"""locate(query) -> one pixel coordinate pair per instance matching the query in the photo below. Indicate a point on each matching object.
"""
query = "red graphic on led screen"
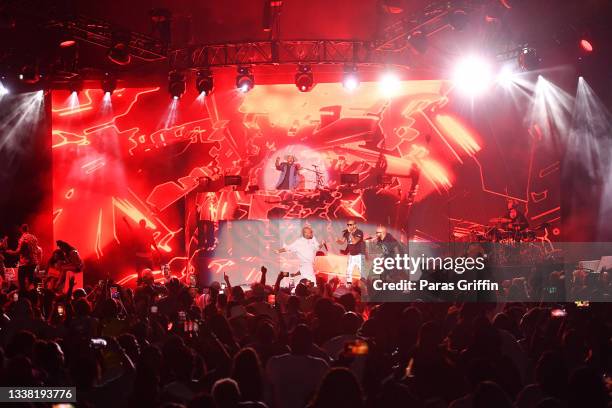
(140, 157)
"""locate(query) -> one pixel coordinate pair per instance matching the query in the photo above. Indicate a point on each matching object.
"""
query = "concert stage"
(423, 161)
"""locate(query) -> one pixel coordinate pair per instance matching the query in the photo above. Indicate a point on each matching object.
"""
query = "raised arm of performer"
(277, 163)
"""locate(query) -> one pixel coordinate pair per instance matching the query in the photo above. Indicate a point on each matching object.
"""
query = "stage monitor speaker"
(233, 180)
(349, 179)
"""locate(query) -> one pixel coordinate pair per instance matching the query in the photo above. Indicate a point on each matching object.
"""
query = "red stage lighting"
(245, 81)
(473, 75)
(586, 45)
(119, 53)
(109, 84)
(303, 78)
(67, 43)
(350, 79)
(176, 84)
(204, 82)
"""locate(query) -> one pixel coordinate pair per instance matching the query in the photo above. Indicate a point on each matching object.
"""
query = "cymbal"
(500, 219)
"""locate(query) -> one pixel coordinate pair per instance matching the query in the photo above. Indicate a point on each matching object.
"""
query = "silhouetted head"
(226, 393)
(301, 340)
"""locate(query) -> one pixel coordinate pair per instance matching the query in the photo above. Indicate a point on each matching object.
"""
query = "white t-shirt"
(305, 249)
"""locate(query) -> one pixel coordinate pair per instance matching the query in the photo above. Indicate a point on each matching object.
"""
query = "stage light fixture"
(119, 52)
(303, 78)
(75, 85)
(176, 84)
(109, 84)
(67, 43)
(418, 41)
(393, 6)
(472, 75)
(29, 74)
(505, 78)
(245, 81)
(350, 79)
(586, 45)
(528, 59)
(204, 82)
(389, 84)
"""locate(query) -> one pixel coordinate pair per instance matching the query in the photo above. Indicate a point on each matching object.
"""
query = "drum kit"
(512, 243)
(502, 230)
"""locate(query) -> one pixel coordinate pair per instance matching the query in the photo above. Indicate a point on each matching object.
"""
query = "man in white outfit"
(305, 248)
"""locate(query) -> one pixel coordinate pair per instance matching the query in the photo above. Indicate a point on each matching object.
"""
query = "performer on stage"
(142, 242)
(355, 249)
(518, 221)
(388, 245)
(305, 248)
(207, 205)
(289, 178)
(30, 255)
(67, 263)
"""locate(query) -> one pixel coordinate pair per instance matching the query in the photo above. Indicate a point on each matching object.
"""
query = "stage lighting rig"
(350, 79)
(245, 81)
(75, 85)
(29, 74)
(528, 59)
(204, 82)
(176, 84)
(109, 84)
(119, 52)
(303, 78)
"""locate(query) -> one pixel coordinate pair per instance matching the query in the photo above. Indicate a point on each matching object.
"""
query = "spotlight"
(303, 78)
(176, 84)
(109, 84)
(67, 43)
(245, 81)
(472, 75)
(75, 85)
(3, 90)
(66, 40)
(29, 74)
(586, 45)
(418, 41)
(528, 59)
(458, 19)
(393, 6)
(505, 77)
(119, 53)
(204, 82)
(350, 80)
(389, 84)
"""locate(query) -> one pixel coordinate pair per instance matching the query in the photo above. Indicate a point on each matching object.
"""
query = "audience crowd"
(164, 344)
